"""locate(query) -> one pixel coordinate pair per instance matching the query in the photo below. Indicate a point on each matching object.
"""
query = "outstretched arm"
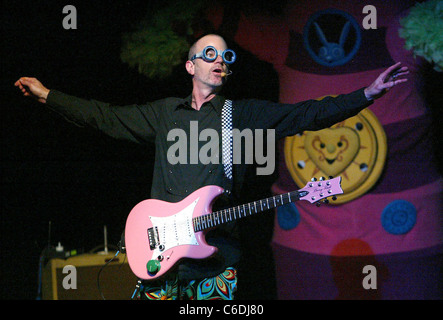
(136, 123)
(386, 80)
(290, 119)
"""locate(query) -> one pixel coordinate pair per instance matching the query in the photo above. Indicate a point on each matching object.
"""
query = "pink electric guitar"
(158, 234)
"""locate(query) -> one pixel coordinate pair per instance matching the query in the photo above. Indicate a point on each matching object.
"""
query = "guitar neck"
(220, 217)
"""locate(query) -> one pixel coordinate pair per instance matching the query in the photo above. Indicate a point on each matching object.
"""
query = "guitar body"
(161, 233)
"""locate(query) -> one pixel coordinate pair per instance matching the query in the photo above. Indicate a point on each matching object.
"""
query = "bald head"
(209, 40)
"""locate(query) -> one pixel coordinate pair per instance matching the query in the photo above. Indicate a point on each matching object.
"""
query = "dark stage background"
(76, 178)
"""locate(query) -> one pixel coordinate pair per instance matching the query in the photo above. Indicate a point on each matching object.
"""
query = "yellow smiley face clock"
(354, 149)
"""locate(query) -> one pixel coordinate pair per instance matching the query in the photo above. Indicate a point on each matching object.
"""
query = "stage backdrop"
(390, 216)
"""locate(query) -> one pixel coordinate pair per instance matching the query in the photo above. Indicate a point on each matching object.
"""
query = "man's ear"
(190, 67)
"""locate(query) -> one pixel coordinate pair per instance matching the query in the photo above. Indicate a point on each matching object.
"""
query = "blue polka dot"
(399, 217)
(288, 216)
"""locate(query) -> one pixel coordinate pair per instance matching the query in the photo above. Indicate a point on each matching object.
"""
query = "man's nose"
(219, 59)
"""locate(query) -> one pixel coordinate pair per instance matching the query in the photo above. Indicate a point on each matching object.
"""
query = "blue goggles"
(209, 54)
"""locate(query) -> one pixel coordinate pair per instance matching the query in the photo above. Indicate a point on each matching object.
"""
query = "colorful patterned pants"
(221, 287)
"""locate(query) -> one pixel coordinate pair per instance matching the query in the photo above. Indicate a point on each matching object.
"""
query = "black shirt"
(153, 121)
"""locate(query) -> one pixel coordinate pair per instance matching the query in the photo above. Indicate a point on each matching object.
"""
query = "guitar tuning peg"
(322, 178)
(326, 201)
(318, 204)
(314, 179)
(330, 177)
(334, 198)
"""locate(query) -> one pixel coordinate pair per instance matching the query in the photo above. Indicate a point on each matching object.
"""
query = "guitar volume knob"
(153, 266)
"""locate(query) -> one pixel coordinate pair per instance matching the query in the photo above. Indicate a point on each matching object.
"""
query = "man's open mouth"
(217, 71)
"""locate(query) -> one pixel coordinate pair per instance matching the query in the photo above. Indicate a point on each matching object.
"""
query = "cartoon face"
(354, 149)
(331, 52)
(332, 150)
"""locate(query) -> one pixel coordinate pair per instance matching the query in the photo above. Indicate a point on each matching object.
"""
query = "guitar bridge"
(153, 238)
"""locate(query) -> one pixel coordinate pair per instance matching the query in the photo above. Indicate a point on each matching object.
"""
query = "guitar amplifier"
(76, 278)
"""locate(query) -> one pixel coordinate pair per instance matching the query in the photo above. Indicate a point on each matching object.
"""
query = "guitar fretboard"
(217, 218)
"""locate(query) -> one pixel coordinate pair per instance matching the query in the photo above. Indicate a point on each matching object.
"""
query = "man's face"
(209, 73)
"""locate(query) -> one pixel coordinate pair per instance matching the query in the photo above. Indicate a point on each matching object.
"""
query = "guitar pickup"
(153, 238)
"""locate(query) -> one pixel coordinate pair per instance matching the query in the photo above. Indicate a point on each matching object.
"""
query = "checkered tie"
(226, 121)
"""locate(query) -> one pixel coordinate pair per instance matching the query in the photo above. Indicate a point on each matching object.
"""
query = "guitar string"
(230, 214)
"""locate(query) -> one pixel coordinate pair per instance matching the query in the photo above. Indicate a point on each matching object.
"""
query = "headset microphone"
(224, 74)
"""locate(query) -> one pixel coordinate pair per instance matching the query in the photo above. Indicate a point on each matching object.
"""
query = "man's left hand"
(386, 80)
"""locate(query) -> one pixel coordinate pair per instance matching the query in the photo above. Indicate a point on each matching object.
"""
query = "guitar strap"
(226, 123)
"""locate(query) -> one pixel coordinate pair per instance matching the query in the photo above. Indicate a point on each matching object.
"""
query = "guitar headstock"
(321, 189)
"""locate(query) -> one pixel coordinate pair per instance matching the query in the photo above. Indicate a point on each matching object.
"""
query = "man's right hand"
(33, 88)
